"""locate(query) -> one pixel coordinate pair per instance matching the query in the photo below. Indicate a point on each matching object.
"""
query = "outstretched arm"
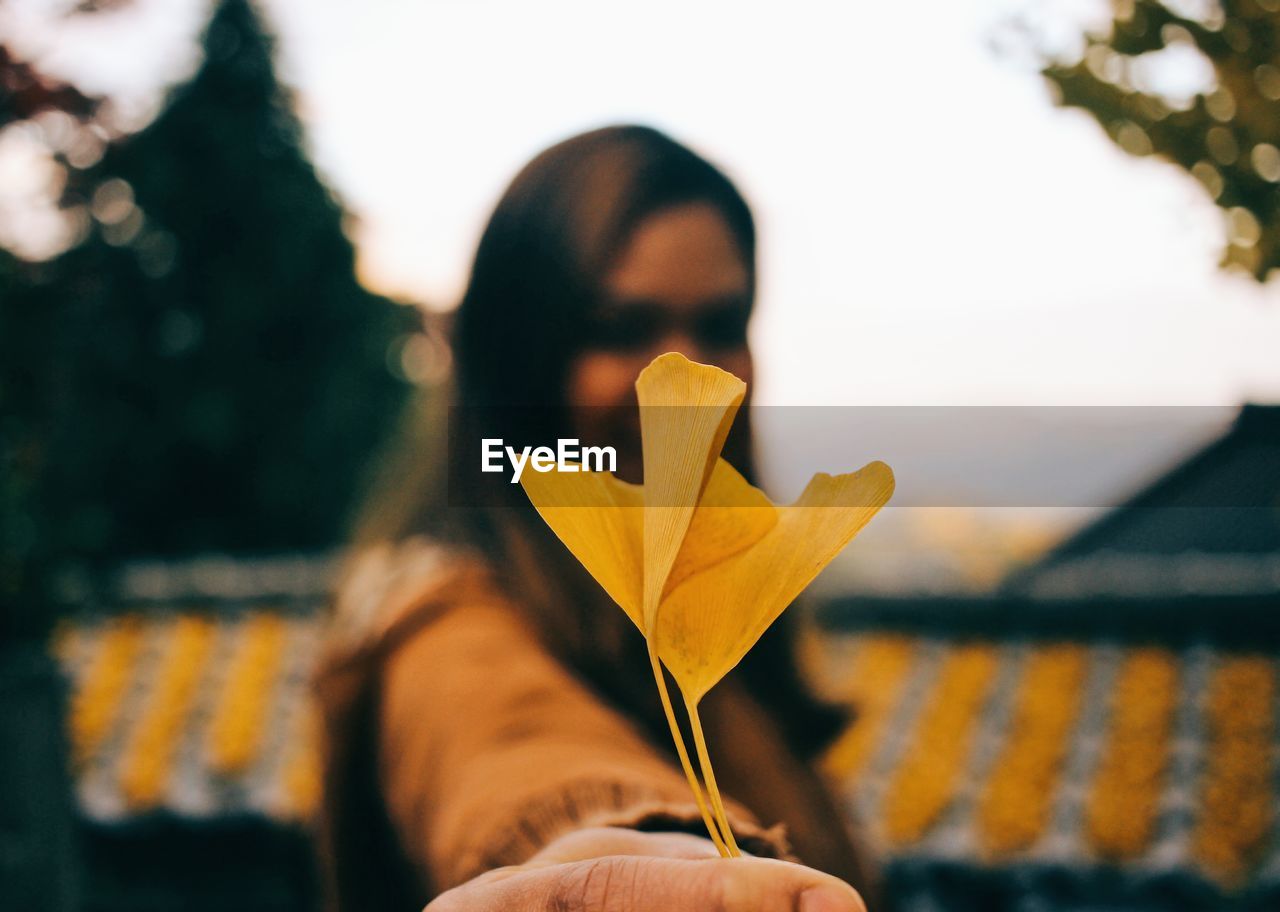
(490, 749)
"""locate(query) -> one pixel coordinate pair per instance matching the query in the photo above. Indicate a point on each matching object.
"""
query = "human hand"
(609, 869)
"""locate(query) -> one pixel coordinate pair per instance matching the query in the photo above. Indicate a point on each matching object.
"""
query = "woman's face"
(679, 284)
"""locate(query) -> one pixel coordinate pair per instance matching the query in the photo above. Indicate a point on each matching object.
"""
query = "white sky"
(933, 230)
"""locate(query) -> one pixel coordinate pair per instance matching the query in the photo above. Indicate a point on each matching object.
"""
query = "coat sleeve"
(488, 748)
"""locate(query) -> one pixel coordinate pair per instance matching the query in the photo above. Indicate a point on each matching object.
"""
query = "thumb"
(629, 883)
(741, 885)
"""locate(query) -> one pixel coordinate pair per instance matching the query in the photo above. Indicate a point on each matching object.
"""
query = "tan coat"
(455, 742)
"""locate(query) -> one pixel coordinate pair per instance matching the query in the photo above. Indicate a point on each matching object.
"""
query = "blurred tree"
(25, 94)
(1227, 136)
(208, 372)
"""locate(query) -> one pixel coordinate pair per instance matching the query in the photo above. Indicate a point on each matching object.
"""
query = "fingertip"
(830, 899)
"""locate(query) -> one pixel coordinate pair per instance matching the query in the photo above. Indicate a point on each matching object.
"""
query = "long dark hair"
(537, 274)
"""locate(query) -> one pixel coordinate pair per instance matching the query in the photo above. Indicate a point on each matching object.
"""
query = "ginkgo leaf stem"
(704, 761)
(712, 827)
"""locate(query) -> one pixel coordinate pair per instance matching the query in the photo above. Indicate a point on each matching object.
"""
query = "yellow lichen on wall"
(931, 771)
(873, 684)
(1120, 812)
(148, 757)
(301, 774)
(96, 703)
(1239, 764)
(238, 726)
(1015, 805)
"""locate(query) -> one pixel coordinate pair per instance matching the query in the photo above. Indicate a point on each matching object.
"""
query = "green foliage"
(1228, 137)
(19, 445)
(202, 371)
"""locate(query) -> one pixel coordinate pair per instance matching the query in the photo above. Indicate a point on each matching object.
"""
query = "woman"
(486, 706)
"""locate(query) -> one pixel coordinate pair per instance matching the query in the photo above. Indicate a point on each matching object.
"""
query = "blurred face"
(679, 284)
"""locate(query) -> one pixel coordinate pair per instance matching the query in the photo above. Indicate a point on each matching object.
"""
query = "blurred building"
(190, 732)
(1101, 732)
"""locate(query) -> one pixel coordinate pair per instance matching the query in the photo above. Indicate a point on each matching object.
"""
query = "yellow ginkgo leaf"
(731, 517)
(701, 561)
(708, 621)
(686, 410)
(600, 520)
